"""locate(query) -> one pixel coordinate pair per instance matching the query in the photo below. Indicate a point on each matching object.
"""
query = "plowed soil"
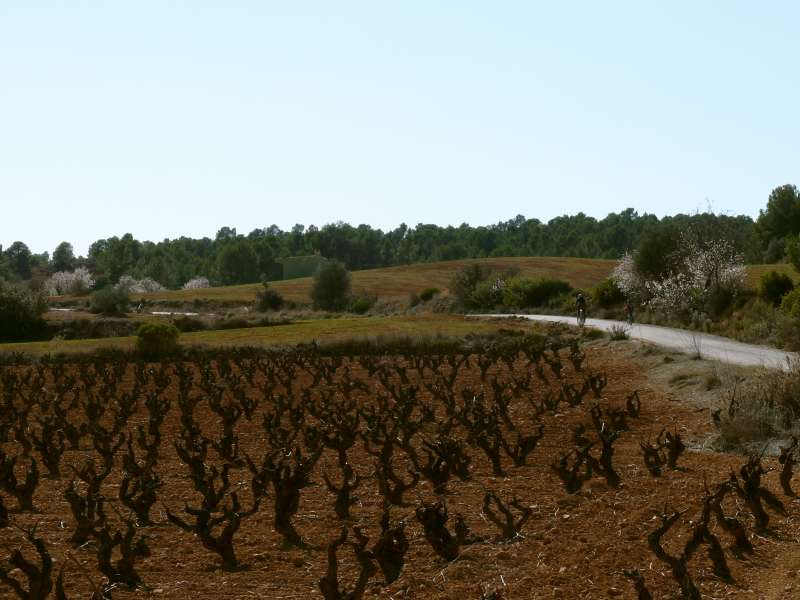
(573, 546)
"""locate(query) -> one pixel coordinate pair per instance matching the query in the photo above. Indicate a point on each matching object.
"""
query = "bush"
(465, 281)
(429, 293)
(762, 408)
(268, 299)
(21, 314)
(485, 296)
(361, 303)
(110, 301)
(331, 287)
(186, 324)
(88, 329)
(425, 295)
(719, 300)
(791, 303)
(156, 339)
(608, 294)
(774, 286)
(793, 250)
(522, 293)
(617, 333)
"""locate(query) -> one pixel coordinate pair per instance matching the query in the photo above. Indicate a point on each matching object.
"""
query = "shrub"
(719, 300)
(760, 409)
(197, 283)
(76, 282)
(331, 287)
(618, 333)
(187, 324)
(230, 322)
(465, 281)
(362, 302)
(429, 293)
(425, 295)
(774, 286)
(20, 314)
(521, 292)
(139, 286)
(154, 340)
(110, 301)
(485, 296)
(793, 250)
(87, 329)
(791, 303)
(268, 299)
(608, 294)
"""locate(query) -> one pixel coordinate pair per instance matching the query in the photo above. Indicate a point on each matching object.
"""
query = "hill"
(396, 283)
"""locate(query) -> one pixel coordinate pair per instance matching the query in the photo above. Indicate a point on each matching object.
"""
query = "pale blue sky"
(168, 118)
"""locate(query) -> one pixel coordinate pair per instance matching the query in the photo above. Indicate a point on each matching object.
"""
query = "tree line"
(232, 258)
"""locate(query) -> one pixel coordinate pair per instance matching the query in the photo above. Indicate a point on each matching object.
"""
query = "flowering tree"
(76, 282)
(627, 277)
(700, 269)
(139, 286)
(197, 283)
(713, 265)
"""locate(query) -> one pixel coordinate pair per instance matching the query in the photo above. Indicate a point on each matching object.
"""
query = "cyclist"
(580, 305)
(629, 311)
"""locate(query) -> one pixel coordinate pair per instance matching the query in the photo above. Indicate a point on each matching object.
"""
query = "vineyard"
(516, 466)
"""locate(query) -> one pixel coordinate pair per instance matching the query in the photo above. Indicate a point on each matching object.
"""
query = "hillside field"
(397, 283)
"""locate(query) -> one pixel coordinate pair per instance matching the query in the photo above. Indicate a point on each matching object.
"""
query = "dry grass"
(396, 283)
(321, 330)
(754, 273)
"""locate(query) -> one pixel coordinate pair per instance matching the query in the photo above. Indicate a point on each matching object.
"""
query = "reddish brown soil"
(574, 546)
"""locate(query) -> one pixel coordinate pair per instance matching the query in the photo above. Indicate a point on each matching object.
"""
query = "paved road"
(690, 342)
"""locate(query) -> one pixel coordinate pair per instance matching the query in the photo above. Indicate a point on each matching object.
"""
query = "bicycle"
(629, 314)
(581, 317)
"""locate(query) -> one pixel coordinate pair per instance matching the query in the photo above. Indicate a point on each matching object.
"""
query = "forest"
(234, 258)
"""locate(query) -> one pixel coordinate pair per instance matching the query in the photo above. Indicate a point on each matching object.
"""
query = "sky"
(166, 118)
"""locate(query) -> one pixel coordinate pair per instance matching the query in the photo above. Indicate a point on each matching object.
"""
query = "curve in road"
(689, 342)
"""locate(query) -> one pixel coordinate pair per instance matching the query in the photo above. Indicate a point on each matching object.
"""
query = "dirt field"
(572, 546)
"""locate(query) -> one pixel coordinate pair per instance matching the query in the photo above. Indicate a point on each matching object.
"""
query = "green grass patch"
(321, 330)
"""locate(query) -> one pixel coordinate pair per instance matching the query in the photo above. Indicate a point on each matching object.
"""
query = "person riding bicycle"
(629, 310)
(580, 305)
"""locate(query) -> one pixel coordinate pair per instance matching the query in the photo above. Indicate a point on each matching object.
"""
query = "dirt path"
(689, 342)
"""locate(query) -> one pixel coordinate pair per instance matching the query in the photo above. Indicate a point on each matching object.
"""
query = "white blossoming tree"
(627, 277)
(139, 286)
(701, 268)
(197, 283)
(75, 282)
